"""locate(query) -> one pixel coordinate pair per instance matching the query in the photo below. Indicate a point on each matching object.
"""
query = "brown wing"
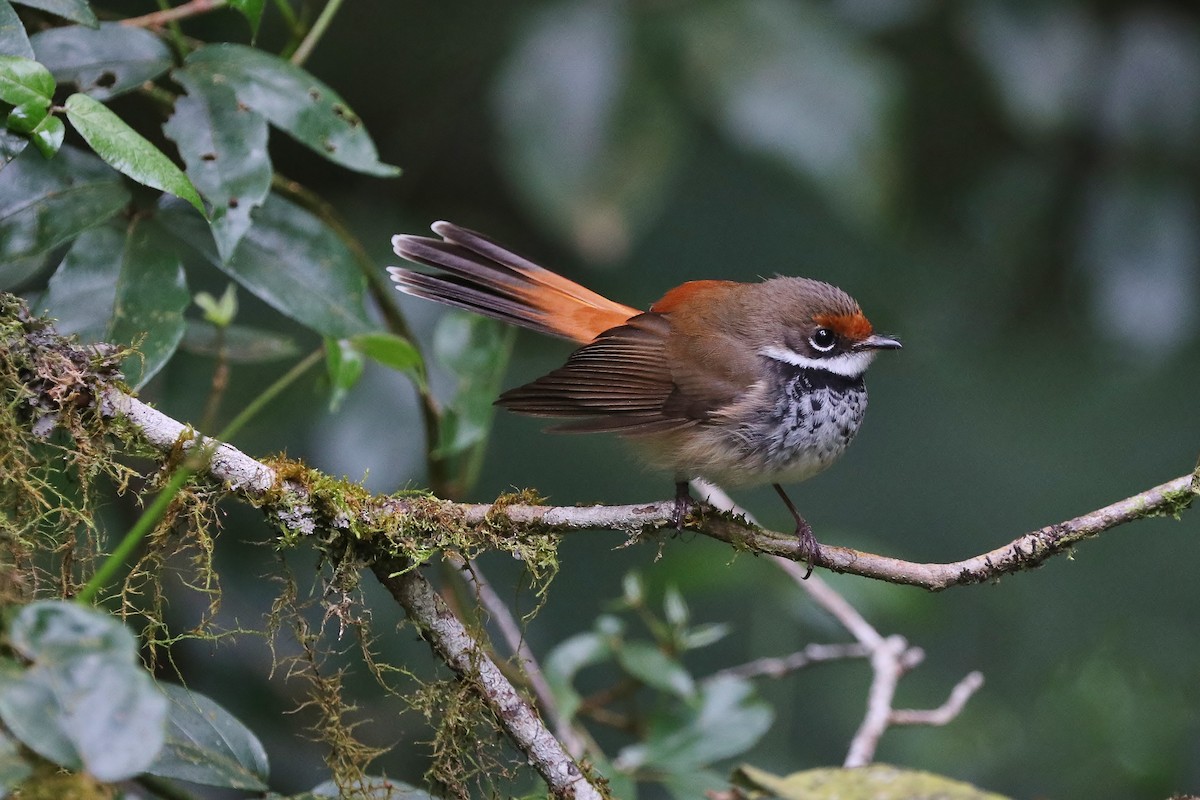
(617, 383)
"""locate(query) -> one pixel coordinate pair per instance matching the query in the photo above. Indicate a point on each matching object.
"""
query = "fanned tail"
(485, 277)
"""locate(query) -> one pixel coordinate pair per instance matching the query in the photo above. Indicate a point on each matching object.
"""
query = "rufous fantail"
(738, 383)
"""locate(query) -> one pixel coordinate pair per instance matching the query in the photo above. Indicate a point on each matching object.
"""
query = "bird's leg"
(684, 502)
(808, 543)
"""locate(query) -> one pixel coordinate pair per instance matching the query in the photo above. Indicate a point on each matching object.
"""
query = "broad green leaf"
(127, 151)
(103, 62)
(206, 744)
(85, 702)
(475, 350)
(151, 296)
(26, 117)
(877, 781)
(391, 351)
(48, 136)
(24, 81)
(705, 635)
(13, 39)
(14, 768)
(653, 667)
(252, 10)
(123, 287)
(290, 260)
(44, 204)
(74, 10)
(224, 148)
(96, 712)
(725, 719)
(675, 607)
(294, 101)
(53, 630)
(344, 366)
(241, 345)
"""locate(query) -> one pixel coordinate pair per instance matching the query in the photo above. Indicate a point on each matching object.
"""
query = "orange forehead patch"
(850, 326)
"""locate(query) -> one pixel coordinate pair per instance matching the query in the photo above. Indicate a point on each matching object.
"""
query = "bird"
(739, 383)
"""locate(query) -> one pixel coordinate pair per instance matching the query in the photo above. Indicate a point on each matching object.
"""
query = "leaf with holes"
(103, 62)
(224, 149)
(319, 284)
(294, 101)
(127, 151)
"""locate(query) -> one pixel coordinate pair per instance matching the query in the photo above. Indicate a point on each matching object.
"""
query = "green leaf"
(252, 10)
(242, 344)
(221, 312)
(44, 204)
(24, 81)
(319, 285)
(123, 287)
(726, 719)
(565, 661)
(26, 117)
(85, 703)
(206, 744)
(344, 365)
(48, 136)
(705, 635)
(74, 10)
(13, 39)
(223, 145)
(294, 101)
(11, 145)
(53, 630)
(655, 668)
(475, 350)
(14, 768)
(675, 607)
(103, 62)
(127, 151)
(151, 296)
(391, 351)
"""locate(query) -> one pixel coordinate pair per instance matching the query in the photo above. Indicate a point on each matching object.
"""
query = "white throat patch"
(848, 365)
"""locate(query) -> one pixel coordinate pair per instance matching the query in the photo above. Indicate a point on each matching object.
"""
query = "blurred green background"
(1011, 188)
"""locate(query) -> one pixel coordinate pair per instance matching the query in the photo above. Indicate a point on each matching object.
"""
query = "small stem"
(220, 382)
(316, 32)
(171, 15)
(269, 394)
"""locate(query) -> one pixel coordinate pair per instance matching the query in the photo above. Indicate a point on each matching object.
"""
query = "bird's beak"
(877, 341)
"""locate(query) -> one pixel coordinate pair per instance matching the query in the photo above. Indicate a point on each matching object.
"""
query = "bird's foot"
(684, 504)
(808, 548)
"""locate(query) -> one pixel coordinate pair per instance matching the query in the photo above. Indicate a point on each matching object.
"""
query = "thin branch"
(160, 18)
(887, 667)
(514, 637)
(947, 711)
(779, 667)
(315, 32)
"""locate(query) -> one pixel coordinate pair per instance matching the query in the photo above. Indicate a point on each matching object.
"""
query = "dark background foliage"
(1010, 188)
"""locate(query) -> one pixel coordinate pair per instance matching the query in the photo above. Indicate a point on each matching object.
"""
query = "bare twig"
(947, 711)
(513, 636)
(160, 18)
(783, 665)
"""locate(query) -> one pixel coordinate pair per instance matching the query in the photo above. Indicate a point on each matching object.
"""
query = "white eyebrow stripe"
(848, 365)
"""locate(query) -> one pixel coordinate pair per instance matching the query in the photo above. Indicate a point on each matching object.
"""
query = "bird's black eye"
(823, 340)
